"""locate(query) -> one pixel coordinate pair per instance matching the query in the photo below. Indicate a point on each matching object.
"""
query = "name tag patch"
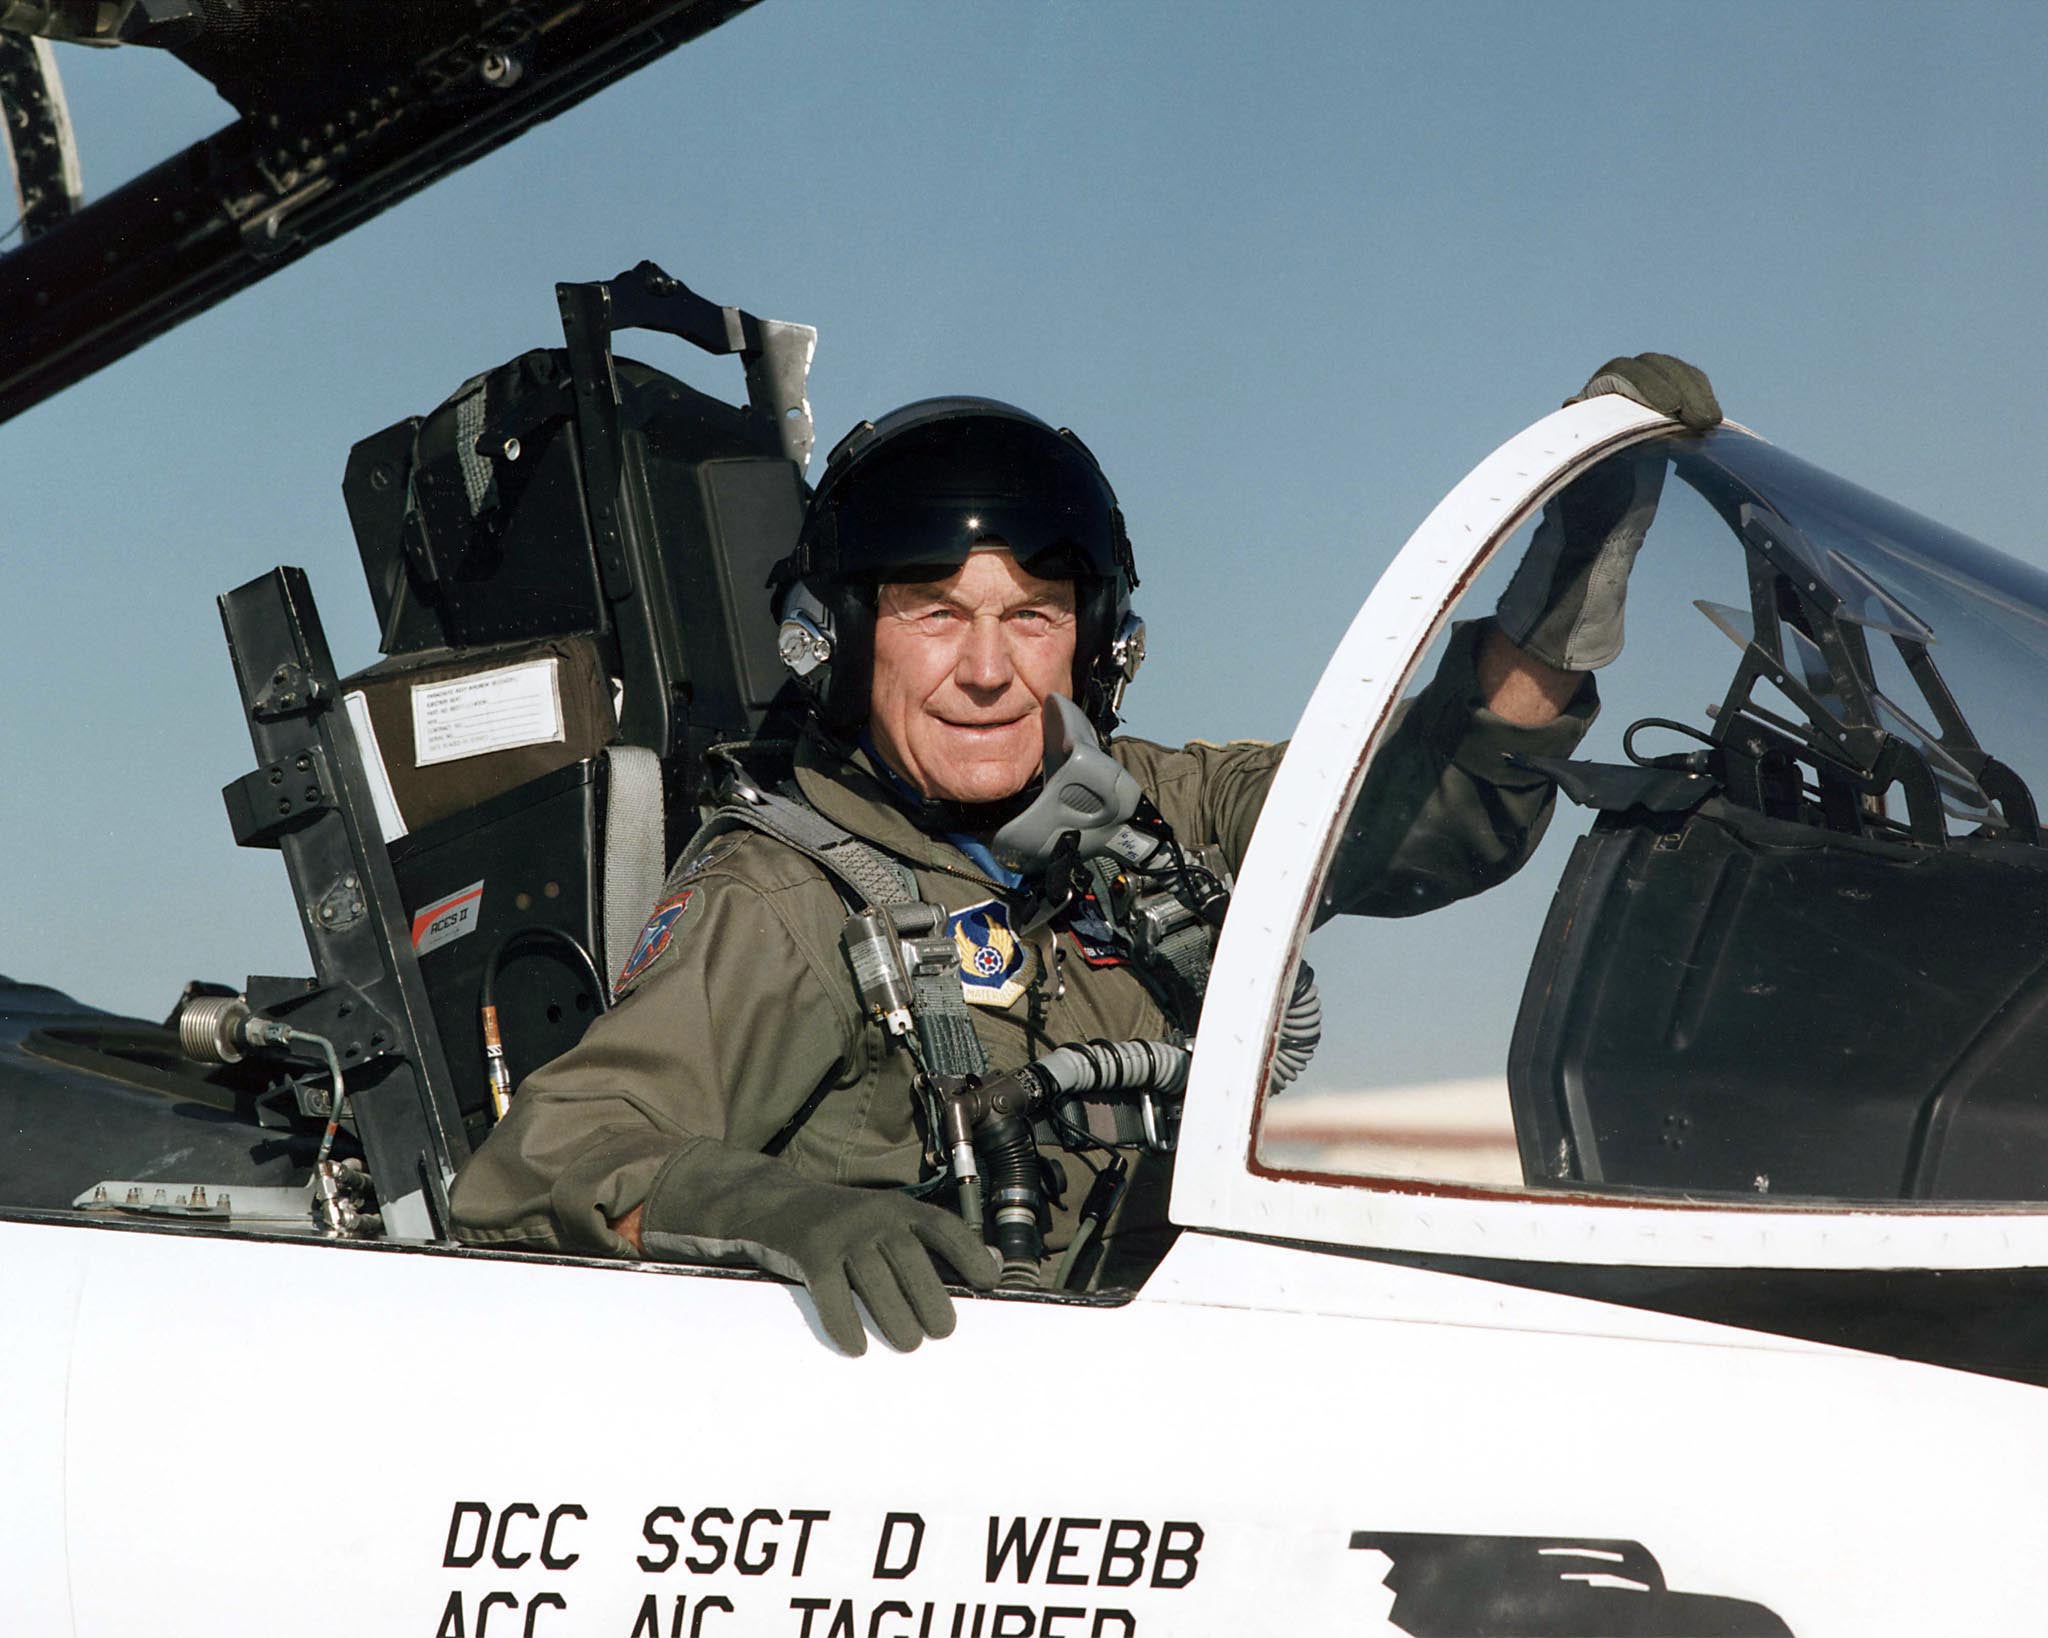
(1093, 935)
(993, 959)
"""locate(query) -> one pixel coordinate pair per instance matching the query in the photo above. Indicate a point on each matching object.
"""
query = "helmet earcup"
(1099, 608)
(844, 703)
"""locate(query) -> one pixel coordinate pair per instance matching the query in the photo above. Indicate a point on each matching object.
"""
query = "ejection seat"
(515, 861)
(568, 560)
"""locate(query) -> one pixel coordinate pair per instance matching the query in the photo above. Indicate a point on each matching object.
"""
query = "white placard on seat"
(491, 711)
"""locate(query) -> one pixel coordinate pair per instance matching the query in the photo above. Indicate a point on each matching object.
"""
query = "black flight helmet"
(909, 496)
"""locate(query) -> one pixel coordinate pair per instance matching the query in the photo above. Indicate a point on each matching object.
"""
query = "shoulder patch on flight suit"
(712, 854)
(655, 936)
(993, 959)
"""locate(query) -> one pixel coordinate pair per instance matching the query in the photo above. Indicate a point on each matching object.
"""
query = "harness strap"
(945, 1028)
(870, 879)
(633, 849)
(873, 880)
(1188, 953)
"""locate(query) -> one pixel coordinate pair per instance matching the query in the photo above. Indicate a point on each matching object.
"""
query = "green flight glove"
(1660, 382)
(1565, 603)
(719, 1205)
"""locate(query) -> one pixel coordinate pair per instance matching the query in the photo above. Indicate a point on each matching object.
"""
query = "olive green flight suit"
(749, 1006)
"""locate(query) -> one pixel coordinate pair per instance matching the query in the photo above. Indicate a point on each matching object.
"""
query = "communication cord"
(496, 1071)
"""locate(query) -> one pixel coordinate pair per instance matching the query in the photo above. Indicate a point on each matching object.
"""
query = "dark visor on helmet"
(940, 492)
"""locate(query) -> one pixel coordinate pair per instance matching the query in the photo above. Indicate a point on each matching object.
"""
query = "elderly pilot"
(960, 564)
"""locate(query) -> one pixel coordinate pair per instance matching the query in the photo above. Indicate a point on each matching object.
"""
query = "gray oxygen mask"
(1084, 807)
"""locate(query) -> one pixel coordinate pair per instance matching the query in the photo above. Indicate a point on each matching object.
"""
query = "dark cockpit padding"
(1729, 1004)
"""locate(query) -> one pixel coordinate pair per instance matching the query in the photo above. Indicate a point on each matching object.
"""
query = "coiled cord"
(1301, 1030)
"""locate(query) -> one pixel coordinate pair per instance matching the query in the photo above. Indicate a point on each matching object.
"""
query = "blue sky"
(1290, 270)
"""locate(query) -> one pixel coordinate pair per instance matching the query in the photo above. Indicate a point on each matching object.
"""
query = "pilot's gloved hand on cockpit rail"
(710, 1204)
(1668, 385)
(1564, 605)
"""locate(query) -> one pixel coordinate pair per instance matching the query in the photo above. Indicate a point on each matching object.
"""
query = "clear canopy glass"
(1790, 942)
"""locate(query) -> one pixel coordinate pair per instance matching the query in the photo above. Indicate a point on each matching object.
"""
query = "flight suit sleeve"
(1443, 813)
(730, 1028)
(1209, 794)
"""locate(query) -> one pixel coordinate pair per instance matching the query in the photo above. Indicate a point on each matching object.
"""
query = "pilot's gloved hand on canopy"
(961, 563)
(1564, 606)
(1657, 381)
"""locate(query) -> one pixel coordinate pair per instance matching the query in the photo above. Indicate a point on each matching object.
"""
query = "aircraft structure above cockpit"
(342, 112)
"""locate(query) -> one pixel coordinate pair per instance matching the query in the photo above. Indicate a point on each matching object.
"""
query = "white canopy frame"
(1217, 1183)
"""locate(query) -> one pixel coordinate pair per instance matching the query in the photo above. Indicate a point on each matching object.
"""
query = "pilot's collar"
(854, 789)
(966, 826)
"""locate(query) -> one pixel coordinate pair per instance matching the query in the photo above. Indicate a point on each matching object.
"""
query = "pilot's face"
(963, 667)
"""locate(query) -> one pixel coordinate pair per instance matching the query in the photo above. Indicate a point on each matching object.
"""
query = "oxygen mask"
(1084, 806)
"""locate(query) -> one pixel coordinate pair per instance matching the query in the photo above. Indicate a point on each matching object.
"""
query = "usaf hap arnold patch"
(992, 957)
